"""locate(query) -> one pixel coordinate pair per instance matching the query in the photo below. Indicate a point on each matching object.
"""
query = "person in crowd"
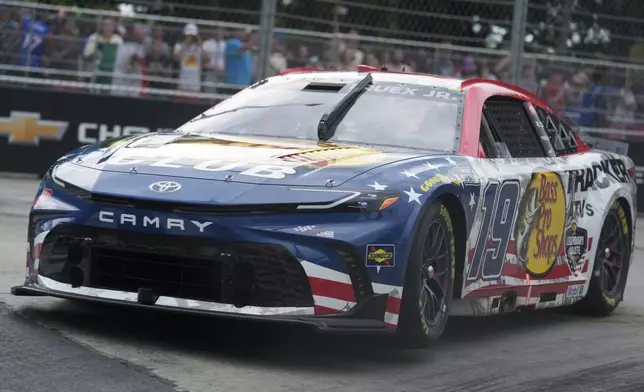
(575, 96)
(65, 48)
(445, 66)
(302, 58)
(485, 72)
(129, 63)
(158, 65)
(277, 62)
(190, 56)
(157, 36)
(340, 46)
(553, 89)
(625, 107)
(397, 62)
(239, 59)
(469, 69)
(35, 39)
(101, 49)
(347, 60)
(528, 78)
(215, 48)
(372, 60)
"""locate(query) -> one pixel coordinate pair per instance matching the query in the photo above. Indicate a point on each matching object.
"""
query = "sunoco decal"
(379, 255)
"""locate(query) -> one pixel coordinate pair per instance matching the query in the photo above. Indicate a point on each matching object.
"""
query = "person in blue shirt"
(239, 59)
(35, 35)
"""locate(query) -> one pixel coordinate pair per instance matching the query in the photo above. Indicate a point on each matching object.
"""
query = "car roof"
(380, 76)
(492, 87)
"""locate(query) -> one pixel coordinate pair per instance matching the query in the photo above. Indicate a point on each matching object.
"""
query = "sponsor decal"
(540, 225)
(575, 291)
(335, 156)
(576, 245)
(416, 91)
(152, 221)
(381, 255)
(600, 175)
(302, 229)
(326, 234)
(582, 208)
(215, 165)
(28, 128)
(439, 179)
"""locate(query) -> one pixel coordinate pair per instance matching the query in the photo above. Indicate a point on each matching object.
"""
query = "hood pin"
(228, 178)
(133, 170)
(330, 183)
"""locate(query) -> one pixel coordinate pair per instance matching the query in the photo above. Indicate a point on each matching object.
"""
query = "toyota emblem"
(165, 186)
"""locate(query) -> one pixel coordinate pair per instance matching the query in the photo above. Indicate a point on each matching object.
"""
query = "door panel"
(537, 224)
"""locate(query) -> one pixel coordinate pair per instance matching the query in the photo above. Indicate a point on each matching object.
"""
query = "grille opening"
(166, 274)
(240, 274)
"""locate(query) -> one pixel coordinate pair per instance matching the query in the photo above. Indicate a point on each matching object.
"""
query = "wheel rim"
(611, 252)
(434, 273)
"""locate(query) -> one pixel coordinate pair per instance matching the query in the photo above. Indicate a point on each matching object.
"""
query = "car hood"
(254, 160)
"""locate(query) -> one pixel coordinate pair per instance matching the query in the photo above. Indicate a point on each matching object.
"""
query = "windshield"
(390, 114)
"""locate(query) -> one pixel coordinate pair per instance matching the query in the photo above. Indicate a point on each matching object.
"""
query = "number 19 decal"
(499, 212)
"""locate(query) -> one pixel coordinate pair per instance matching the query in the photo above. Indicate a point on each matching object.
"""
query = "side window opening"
(512, 128)
(560, 134)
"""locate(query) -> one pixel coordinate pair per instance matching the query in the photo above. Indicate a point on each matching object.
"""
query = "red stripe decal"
(37, 250)
(390, 325)
(393, 305)
(332, 289)
(324, 310)
(28, 259)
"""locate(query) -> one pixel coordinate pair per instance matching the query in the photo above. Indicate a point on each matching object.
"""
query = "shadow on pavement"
(272, 344)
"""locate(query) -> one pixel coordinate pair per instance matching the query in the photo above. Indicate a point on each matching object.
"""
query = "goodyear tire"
(429, 280)
(608, 279)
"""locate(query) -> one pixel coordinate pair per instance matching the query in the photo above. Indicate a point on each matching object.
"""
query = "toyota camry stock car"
(365, 201)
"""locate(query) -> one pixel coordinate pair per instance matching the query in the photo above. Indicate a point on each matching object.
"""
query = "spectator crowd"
(192, 58)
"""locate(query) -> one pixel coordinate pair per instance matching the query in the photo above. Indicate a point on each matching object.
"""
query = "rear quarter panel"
(504, 251)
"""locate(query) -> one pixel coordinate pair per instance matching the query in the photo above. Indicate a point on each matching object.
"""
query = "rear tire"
(429, 280)
(608, 279)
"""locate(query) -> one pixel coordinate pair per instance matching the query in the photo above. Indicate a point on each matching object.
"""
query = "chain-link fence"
(585, 57)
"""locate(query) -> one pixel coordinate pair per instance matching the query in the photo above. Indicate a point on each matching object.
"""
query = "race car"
(356, 202)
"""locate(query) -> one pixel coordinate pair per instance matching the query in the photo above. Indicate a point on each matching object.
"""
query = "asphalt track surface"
(56, 345)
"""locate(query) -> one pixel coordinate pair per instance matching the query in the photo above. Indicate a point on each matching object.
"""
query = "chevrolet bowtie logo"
(28, 128)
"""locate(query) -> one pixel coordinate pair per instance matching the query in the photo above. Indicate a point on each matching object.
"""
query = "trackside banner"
(38, 126)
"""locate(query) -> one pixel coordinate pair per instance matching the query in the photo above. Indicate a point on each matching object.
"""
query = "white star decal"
(429, 166)
(378, 187)
(413, 196)
(451, 161)
(472, 202)
(409, 174)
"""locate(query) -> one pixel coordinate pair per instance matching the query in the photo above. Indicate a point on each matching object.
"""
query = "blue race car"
(365, 201)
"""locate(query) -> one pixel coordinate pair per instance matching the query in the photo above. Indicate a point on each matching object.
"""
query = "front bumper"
(306, 267)
(353, 321)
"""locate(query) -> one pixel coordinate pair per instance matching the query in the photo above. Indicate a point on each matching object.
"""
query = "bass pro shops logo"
(28, 128)
(541, 223)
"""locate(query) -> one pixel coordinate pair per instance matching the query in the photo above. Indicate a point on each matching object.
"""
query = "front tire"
(429, 280)
(612, 260)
